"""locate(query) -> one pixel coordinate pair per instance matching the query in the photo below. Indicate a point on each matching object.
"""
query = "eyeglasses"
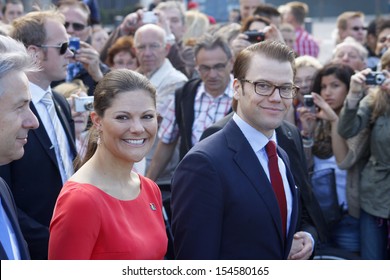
(76, 26)
(63, 47)
(287, 91)
(204, 69)
(357, 28)
(152, 47)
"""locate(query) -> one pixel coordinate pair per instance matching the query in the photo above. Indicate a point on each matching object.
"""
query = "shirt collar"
(37, 93)
(256, 139)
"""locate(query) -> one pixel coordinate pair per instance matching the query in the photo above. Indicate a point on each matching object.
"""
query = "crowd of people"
(173, 136)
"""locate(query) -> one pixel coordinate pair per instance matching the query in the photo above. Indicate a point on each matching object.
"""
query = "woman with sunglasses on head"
(330, 87)
(105, 210)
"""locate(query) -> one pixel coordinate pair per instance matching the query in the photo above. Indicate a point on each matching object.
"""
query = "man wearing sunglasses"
(36, 179)
(351, 23)
(86, 64)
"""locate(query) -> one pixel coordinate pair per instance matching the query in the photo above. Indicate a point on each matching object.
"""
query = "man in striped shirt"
(295, 14)
(198, 104)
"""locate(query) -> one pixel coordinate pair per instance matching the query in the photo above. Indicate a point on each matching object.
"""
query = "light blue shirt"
(7, 236)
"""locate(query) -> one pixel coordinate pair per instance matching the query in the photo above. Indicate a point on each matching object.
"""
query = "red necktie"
(277, 182)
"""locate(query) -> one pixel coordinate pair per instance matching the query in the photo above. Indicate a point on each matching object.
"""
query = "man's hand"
(90, 59)
(302, 246)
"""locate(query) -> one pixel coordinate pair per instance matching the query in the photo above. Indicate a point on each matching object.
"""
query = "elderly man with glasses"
(151, 50)
(36, 179)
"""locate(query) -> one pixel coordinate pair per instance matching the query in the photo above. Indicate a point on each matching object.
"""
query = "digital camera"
(83, 104)
(74, 44)
(149, 17)
(255, 36)
(375, 78)
(309, 103)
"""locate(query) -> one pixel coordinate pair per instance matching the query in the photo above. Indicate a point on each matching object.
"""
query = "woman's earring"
(98, 140)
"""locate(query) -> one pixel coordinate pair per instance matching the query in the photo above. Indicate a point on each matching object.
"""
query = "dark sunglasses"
(63, 47)
(76, 26)
(357, 28)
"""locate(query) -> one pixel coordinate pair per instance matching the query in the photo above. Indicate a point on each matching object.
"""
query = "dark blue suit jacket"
(223, 205)
(35, 180)
(10, 209)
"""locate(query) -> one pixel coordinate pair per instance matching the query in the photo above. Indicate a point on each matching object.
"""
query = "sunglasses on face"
(357, 28)
(63, 47)
(76, 26)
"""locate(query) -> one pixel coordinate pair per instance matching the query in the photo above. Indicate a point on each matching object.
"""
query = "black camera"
(309, 103)
(255, 36)
(375, 78)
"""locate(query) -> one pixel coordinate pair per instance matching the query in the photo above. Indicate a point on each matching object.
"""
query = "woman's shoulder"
(149, 186)
(79, 191)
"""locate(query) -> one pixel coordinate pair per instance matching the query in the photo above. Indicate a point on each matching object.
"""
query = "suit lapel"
(43, 137)
(294, 193)
(250, 166)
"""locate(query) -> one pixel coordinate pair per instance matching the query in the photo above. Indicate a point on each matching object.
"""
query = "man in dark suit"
(37, 178)
(16, 119)
(289, 139)
(224, 205)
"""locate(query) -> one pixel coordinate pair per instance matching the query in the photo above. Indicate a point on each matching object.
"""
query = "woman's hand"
(308, 120)
(358, 83)
(325, 112)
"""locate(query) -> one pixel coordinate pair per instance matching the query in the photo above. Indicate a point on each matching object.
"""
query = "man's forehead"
(67, 10)
(150, 36)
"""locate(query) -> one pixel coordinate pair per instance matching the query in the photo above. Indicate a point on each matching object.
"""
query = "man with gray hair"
(16, 119)
(352, 53)
(35, 187)
(151, 50)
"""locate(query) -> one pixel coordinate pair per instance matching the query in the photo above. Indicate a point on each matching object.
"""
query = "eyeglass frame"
(75, 25)
(208, 68)
(63, 47)
(294, 92)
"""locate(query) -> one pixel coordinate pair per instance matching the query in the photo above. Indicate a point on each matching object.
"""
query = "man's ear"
(237, 87)
(167, 48)
(34, 52)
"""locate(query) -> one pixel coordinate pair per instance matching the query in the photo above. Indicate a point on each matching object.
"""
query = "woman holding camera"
(319, 128)
(372, 112)
(106, 211)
